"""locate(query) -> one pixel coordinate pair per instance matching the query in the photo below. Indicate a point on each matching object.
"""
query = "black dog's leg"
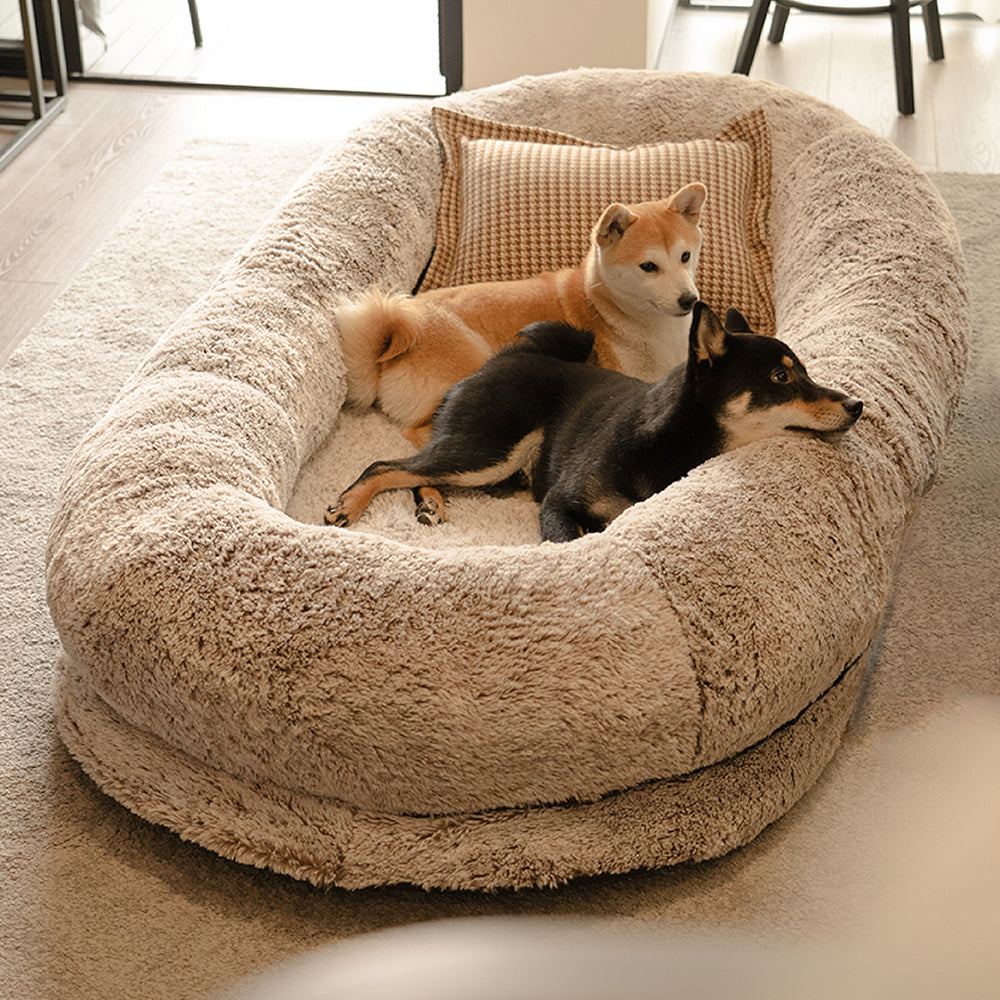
(429, 505)
(559, 518)
(444, 462)
(427, 501)
(564, 515)
(378, 477)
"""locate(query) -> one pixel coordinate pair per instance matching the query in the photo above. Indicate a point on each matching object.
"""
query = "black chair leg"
(751, 36)
(932, 28)
(902, 55)
(777, 31)
(195, 22)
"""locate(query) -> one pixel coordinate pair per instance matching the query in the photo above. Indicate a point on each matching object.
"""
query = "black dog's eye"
(649, 267)
(686, 256)
(780, 375)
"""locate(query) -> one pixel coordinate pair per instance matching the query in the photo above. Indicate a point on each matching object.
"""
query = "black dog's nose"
(686, 302)
(853, 407)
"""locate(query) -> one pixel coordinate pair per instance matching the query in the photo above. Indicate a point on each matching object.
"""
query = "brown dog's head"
(645, 255)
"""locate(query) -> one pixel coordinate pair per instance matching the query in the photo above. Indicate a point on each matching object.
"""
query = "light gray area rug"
(895, 845)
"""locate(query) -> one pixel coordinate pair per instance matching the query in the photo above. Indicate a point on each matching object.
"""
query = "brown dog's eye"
(649, 267)
(779, 375)
(686, 256)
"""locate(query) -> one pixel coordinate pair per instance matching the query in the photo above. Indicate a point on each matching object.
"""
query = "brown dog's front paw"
(336, 516)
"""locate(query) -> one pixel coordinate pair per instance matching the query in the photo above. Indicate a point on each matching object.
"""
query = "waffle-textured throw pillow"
(517, 200)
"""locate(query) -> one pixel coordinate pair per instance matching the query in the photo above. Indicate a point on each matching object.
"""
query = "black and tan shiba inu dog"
(592, 441)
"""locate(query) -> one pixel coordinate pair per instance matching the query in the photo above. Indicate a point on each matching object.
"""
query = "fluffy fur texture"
(439, 707)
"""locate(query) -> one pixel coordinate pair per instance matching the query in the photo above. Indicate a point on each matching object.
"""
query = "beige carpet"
(896, 844)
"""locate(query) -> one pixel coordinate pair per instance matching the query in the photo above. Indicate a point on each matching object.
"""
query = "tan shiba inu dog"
(634, 290)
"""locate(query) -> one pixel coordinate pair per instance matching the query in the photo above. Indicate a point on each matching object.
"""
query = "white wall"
(658, 15)
(507, 38)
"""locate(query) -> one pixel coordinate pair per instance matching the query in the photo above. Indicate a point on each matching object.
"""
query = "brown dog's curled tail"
(375, 327)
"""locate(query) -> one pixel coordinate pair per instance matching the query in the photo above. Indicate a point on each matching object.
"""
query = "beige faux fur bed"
(463, 706)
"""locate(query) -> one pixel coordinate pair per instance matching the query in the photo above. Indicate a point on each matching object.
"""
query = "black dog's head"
(756, 387)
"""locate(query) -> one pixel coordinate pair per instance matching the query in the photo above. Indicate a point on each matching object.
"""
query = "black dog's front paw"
(429, 511)
(336, 516)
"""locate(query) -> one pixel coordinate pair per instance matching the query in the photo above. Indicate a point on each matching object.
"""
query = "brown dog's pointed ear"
(613, 223)
(735, 322)
(708, 337)
(689, 201)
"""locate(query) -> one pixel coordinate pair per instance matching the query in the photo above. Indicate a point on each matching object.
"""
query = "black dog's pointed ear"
(735, 323)
(708, 338)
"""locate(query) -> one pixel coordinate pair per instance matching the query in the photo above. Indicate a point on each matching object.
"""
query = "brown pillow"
(517, 200)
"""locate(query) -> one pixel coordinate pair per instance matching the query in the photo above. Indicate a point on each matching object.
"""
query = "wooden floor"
(61, 197)
(64, 193)
(848, 62)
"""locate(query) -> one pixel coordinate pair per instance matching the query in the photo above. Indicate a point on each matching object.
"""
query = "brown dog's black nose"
(853, 407)
(686, 302)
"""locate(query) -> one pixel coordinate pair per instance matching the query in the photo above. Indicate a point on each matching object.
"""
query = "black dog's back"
(491, 419)
(522, 388)
(560, 340)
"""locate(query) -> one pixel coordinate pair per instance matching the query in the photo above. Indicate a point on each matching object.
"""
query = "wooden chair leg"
(902, 55)
(751, 36)
(932, 28)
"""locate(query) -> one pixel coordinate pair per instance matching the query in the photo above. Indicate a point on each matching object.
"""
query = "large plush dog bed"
(462, 706)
